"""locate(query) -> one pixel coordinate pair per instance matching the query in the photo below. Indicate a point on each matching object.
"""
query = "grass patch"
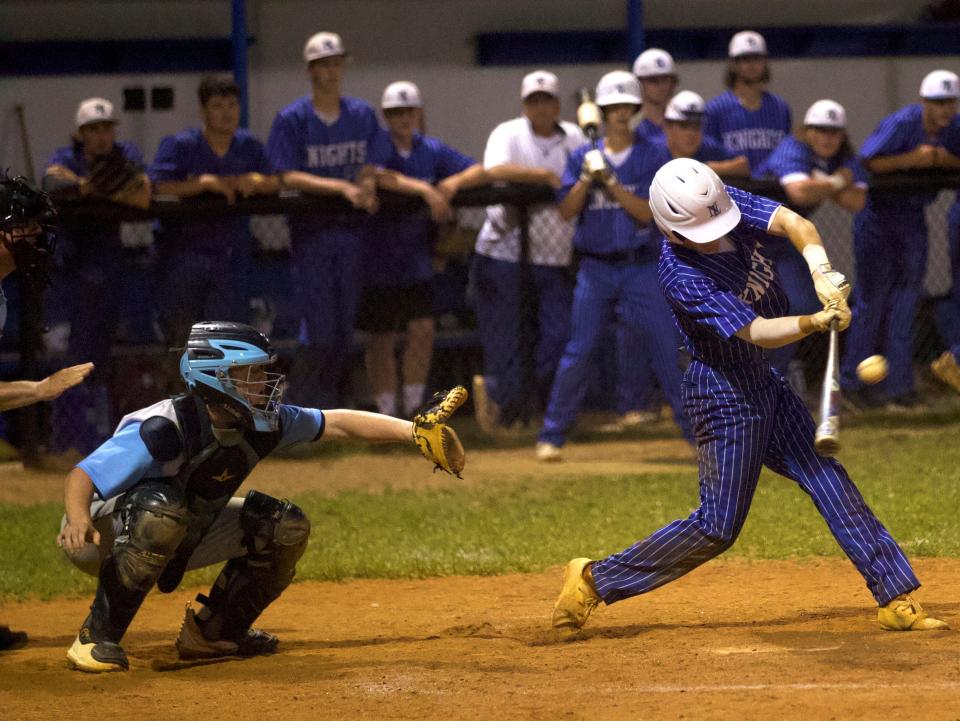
(908, 472)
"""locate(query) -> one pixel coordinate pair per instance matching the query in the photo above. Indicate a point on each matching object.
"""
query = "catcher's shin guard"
(248, 584)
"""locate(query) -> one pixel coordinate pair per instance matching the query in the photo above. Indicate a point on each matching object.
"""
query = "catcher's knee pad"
(154, 523)
(276, 533)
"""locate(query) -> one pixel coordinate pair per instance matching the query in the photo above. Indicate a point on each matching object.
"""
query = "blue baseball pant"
(745, 419)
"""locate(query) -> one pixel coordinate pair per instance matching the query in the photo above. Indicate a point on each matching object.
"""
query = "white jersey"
(550, 236)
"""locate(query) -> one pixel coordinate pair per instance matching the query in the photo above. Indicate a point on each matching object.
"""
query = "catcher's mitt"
(436, 440)
(114, 175)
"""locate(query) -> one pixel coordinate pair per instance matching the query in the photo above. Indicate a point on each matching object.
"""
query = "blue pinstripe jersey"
(709, 150)
(300, 140)
(604, 226)
(754, 133)
(794, 160)
(397, 248)
(901, 132)
(715, 295)
(648, 130)
(188, 155)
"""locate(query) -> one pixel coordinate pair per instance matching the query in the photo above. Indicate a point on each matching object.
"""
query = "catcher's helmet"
(22, 207)
(215, 347)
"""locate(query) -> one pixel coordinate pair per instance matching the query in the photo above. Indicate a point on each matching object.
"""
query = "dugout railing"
(459, 345)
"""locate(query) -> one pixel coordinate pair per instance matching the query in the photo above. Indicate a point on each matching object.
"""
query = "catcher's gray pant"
(222, 542)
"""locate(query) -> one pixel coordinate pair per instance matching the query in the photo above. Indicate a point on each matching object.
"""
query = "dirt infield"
(733, 640)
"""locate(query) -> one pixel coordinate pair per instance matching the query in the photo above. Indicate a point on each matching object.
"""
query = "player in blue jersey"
(748, 118)
(657, 73)
(156, 500)
(684, 138)
(606, 189)
(815, 165)
(724, 294)
(203, 263)
(890, 240)
(397, 261)
(319, 144)
(26, 239)
(97, 270)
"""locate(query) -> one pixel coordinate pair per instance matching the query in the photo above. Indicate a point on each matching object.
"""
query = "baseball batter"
(890, 238)
(724, 294)
(156, 499)
(606, 188)
(26, 240)
(319, 144)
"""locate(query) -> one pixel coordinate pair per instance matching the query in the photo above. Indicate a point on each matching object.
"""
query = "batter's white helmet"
(653, 62)
(618, 87)
(688, 198)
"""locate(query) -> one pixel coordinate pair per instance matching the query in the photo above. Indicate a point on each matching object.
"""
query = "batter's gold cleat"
(906, 614)
(91, 657)
(578, 597)
(946, 369)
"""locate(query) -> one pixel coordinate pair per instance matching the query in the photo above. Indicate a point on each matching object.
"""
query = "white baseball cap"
(654, 62)
(826, 114)
(95, 110)
(685, 105)
(940, 85)
(747, 42)
(323, 45)
(539, 81)
(618, 86)
(401, 94)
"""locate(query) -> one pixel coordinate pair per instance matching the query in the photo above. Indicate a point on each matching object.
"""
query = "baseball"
(872, 370)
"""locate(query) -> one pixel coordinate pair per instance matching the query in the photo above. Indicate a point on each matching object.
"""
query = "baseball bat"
(826, 440)
(588, 117)
(25, 141)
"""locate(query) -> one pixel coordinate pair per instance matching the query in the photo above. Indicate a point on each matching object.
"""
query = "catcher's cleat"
(946, 369)
(11, 640)
(578, 597)
(549, 453)
(906, 614)
(191, 643)
(91, 657)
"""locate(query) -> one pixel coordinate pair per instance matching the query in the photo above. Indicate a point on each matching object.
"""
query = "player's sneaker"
(904, 613)
(191, 643)
(578, 597)
(11, 640)
(946, 369)
(549, 453)
(630, 421)
(91, 657)
(486, 410)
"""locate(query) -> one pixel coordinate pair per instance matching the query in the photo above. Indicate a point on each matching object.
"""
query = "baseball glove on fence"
(436, 440)
(113, 174)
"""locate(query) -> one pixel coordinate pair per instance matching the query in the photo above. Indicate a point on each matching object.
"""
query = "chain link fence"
(142, 370)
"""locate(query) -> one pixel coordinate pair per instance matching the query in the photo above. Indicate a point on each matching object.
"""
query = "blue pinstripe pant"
(890, 250)
(632, 290)
(745, 420)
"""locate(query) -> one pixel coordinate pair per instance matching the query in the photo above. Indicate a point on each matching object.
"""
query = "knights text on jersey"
(123, 460)
(754, 133)
(714, 295)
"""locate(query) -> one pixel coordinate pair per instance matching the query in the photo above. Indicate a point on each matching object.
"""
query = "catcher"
(156, 499)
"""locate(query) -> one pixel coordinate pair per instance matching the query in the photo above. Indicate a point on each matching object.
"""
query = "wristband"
(806, 324)
(816, 257)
